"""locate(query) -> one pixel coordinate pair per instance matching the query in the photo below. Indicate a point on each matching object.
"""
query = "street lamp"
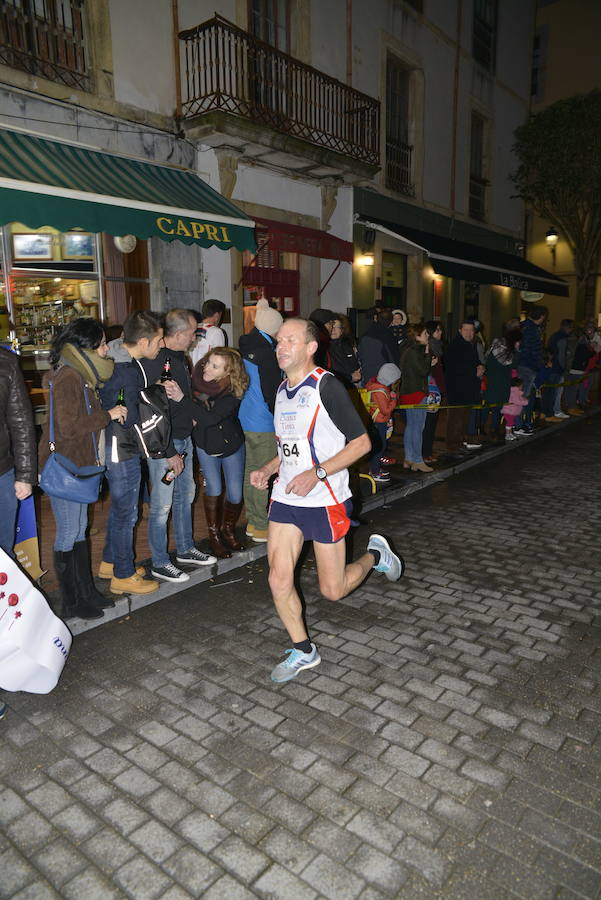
(551, 239)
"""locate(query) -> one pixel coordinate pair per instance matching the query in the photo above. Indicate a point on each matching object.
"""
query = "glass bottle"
(166, 374)
(169, 475)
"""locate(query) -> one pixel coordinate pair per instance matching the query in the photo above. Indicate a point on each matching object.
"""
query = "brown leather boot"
(213, 507)
(231, 514)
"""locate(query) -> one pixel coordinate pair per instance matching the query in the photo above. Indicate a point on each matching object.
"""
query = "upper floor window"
(45, 38)
(399, 169)
(270, 22)
(484, 33)
(539, 59)
(478, 183)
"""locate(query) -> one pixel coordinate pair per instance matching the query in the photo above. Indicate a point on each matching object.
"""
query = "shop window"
(394, 280)
(46, 38)
(272, 275)
(484, 33)
(126, 281)
(399, 153)
(50, 278)
(471, 300)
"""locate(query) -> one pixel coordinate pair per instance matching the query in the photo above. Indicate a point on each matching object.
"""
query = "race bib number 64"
(295, 453)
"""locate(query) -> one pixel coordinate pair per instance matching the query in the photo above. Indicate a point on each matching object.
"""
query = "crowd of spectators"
(219, 404)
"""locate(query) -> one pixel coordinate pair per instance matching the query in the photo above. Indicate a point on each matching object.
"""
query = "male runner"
(319, 435)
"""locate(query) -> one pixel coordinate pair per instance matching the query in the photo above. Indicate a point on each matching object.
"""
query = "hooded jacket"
(121, 441)
(258, 355)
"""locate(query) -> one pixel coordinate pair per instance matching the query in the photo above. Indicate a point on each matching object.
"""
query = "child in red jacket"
(382, 400)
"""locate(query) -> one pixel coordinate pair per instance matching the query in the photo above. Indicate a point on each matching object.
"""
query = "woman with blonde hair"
(219, 381)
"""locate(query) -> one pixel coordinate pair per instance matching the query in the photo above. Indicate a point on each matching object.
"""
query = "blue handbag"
(61, 477)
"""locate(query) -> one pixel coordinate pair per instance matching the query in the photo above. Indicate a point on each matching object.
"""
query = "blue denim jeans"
(233, 473)
(177, 498)
(416, 419)
(124, 484)
(71, 520)
(8, 516)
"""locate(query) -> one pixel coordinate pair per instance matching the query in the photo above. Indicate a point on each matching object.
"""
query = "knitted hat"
(388, 374)
(267, 319)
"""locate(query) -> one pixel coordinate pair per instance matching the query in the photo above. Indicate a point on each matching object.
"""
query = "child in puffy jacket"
(381, 402)
(513, 408)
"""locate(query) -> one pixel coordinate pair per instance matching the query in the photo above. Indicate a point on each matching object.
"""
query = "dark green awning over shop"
(470, 262)
(50, 182)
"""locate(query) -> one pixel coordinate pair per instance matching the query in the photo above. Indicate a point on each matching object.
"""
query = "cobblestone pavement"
(448, 745)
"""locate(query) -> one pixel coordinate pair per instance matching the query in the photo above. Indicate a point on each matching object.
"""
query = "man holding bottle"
(172, 487)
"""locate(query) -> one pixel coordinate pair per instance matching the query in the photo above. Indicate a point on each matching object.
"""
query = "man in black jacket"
(142, 337)
(378, 346)
(18, 446)
(177, 496)
(463, 373)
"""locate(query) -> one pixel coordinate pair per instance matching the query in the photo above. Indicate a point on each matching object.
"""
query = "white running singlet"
(307, 437)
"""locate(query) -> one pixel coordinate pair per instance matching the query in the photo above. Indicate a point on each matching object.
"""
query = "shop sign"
(187, 228)
(513, 281)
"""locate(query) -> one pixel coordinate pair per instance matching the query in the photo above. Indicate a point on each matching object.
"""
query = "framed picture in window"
(77, 245)
(32, 246)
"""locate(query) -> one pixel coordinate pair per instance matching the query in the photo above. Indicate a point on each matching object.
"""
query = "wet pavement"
(448, 745)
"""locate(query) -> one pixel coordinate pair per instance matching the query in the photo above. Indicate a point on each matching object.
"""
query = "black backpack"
(154, 431)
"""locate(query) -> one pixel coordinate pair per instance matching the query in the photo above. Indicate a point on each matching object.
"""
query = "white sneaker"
(390, 564)
(510, 436)
(561, 415)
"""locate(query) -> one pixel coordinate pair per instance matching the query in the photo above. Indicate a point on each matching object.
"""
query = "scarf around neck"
(92, 367)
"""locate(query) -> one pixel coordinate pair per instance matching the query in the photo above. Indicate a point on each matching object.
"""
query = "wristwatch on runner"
(321, 473)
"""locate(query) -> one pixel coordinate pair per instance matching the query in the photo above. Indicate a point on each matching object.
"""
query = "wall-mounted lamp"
(366, 259)
(551, 239)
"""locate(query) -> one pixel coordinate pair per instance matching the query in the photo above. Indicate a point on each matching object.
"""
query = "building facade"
(347, 132)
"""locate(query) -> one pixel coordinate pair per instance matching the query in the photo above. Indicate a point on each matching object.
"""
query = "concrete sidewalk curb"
(129, 604)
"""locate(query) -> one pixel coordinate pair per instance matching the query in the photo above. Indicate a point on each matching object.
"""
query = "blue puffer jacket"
(258, 353)
(531, 347)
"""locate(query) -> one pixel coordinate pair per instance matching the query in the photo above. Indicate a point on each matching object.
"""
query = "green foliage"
(559, 172)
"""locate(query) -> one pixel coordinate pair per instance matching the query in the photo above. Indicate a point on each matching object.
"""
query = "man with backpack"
(172, 487)
(142, 337)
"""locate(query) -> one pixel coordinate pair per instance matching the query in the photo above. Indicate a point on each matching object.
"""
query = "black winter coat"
(460, 363)
(218, 431)
(377, 347)
(18, 442)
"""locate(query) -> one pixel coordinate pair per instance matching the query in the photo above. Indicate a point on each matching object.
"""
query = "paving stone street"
(448, 746)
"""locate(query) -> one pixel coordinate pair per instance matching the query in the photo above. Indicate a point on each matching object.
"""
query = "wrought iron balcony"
(229, 70)
(45, 39)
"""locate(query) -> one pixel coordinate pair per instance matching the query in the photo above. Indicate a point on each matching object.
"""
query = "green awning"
(50, 182)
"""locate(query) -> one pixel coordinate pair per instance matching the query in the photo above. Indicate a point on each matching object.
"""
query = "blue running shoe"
(3, 709)
(390, 564)
(295, 663)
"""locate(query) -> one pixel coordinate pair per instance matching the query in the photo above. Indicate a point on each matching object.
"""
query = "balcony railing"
(477, 208)
(399, 168)
(45, 39)
(229, 70)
